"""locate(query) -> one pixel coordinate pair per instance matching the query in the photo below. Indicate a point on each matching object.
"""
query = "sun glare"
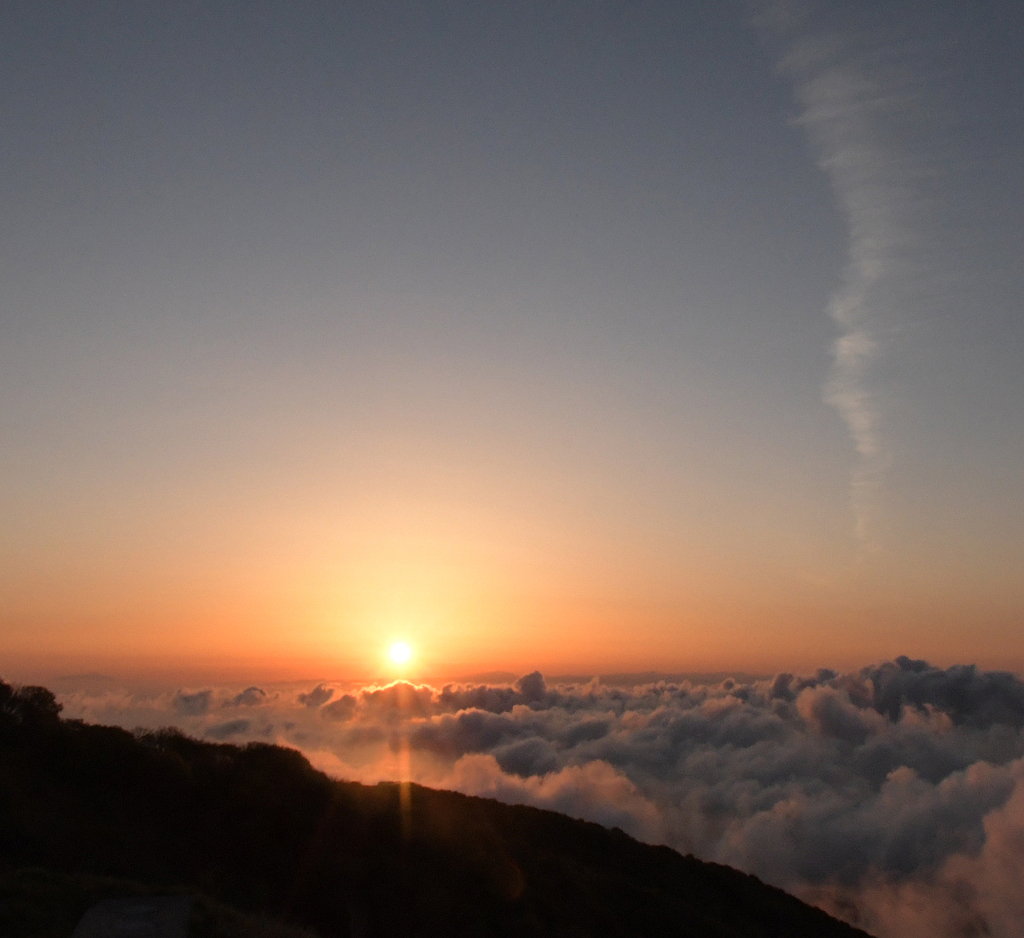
(400, 653)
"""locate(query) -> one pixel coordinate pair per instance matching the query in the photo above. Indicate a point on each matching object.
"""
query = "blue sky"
(329, 322)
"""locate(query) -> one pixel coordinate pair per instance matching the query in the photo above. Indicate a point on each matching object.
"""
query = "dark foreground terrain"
(273, 846)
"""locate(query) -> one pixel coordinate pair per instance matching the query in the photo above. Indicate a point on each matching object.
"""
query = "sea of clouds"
(891, 796)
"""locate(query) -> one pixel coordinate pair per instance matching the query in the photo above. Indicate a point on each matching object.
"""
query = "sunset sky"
(579, 337)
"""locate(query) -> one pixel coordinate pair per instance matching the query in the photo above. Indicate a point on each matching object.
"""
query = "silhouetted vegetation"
(258, 828)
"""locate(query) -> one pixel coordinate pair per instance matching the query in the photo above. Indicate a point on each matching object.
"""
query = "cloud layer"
(893, 796)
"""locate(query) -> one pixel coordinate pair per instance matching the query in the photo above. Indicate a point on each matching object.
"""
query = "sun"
(400, 653)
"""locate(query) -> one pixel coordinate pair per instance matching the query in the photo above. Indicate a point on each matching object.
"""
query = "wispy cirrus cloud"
(864, 104)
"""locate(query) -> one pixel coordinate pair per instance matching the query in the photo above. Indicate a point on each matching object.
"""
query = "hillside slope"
(258, 828)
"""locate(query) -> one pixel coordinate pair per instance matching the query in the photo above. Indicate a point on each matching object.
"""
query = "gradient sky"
(565, 335)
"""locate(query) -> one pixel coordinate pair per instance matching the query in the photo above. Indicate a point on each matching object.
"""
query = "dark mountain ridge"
(258, 828)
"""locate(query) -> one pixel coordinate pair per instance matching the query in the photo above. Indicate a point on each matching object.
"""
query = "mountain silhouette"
(256, 828)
